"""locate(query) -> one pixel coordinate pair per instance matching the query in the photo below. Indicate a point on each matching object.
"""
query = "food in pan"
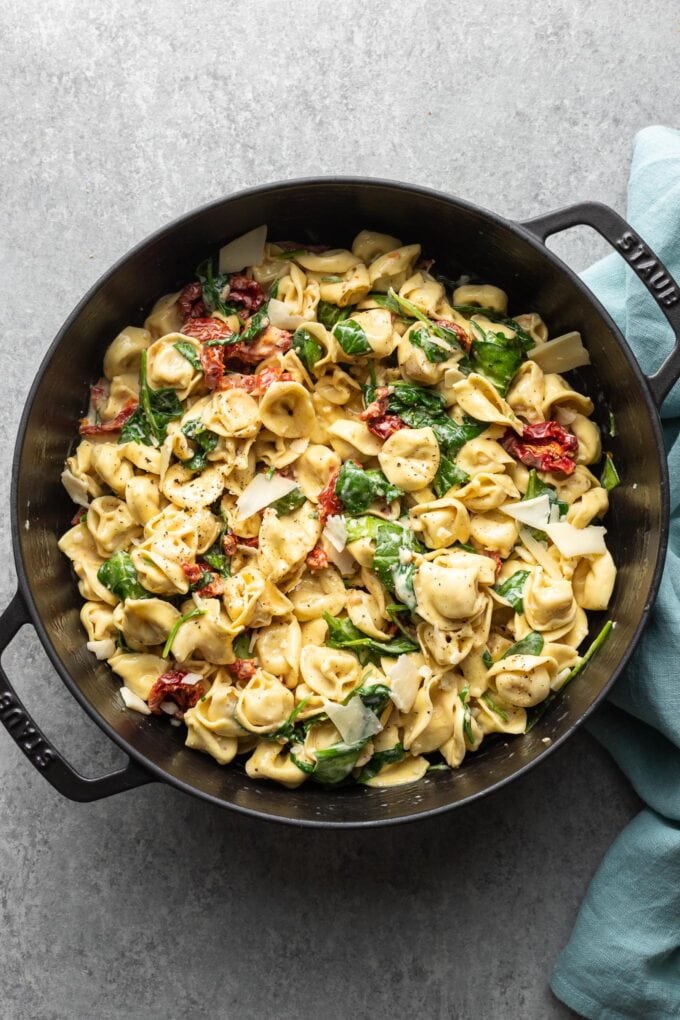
(338, 514)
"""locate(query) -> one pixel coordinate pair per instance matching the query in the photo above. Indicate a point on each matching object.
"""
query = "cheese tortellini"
(337, 516)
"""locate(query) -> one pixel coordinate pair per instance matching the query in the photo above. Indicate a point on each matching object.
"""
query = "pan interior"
(462, 239)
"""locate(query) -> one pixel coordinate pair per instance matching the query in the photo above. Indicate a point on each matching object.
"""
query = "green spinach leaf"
(205, 440)
(343, 634)
(512, 589)
(329, 315)
(189, 352)
(448, 475)
(391, 756)
(177, 624)
(610, 476)
(119, 575)
(357, 488)
(213, 283)
(395, 574)
(532, 644)
(308, 350)
(352, 337)
(289, 503)
(156, 409)
(258, 322)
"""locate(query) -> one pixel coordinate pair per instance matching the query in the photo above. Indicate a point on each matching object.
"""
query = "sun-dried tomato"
(192, 572)
(378, 421)
(171, 687)
(213, 589)
(256, 384)
(546, 446)
(317, 559)
(455, 327)
(242, 669)
(271, 341)
(212, 363)
(190, 302)
(329, 504)
(231, 542)
(79, 516)
(207, 329)
(245, 292)
(496, 558)
(115, 425)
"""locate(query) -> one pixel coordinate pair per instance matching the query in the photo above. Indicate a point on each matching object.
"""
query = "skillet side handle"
(649, 269)
(35, 745)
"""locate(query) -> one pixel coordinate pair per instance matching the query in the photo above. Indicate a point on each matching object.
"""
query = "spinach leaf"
(513, 588)
(329, 315)
(464, 696)
(289, 731)
(119, 575)
(395, 611)
(394, 574)
(343, 634)
(532, 644)
(357, 488)
(522, 337)
(434, 352)
(375, 696)
(287, 504)
(535, 713)
(177, 624)
(404, 396)
(486, 658)
(121, 643)
(241, 646)
(156, 408)
(448, 475)
(366, 527)
(258, 322)
(189, 352)
(213, 283)
(421, 408)
(308, 350)
(610, 476)
(205, 440)
(216, 558)
(383, 301)
(495, 356)
(494, 706)
(537, 487)
(391, 756)
(333, 764)
(352, 337)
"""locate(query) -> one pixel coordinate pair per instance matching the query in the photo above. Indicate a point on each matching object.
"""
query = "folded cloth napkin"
(623, 959)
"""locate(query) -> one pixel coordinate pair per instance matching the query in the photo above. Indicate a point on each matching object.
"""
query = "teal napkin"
(623, 959)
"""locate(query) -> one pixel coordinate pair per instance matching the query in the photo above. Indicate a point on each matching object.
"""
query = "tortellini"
(293, 532)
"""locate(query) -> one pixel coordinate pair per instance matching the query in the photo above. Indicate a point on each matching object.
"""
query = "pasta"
(337, 516)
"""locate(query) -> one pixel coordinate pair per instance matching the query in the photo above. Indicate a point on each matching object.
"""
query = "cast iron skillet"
(462, 238)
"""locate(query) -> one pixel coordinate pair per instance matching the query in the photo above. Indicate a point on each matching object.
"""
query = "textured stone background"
(114, 118)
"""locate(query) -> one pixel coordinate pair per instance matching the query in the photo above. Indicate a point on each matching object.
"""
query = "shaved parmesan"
(134, 702)
(103, 649)
(540, 554)
(343, 560)
(76, 487)
(336, 532)
(261, 492)
(247, 250)
(561, 354)
(192, 678)
(573, 541)
(169, 707)
(353, 721)
(279, 316)
(404, 680)
(533, 512)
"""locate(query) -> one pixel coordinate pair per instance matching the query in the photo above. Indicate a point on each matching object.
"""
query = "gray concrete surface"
(115, 117)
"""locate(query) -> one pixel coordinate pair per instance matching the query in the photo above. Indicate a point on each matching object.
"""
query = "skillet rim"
(164, 232)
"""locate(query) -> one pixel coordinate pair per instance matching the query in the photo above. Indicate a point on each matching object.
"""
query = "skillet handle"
(649, 269)
(35, 745)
